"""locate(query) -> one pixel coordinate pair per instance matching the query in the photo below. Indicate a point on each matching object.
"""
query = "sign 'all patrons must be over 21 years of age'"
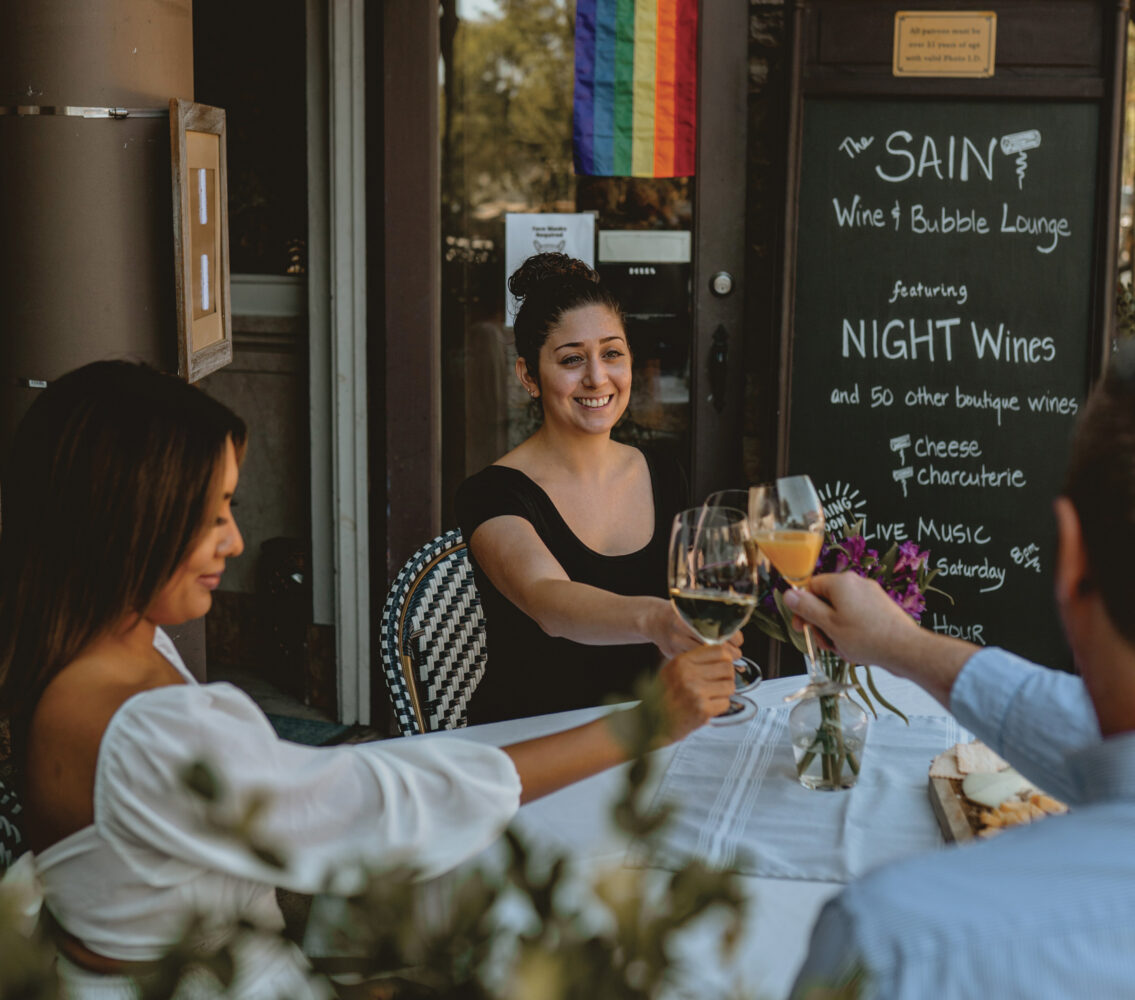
(940, 343)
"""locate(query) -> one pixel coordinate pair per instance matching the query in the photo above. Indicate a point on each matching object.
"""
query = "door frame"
(337, 317)
(717, 411)
(411, 186)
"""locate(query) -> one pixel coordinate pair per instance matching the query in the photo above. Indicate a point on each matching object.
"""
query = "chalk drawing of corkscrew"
(900, 444)
(1020, 143)
(903, 476)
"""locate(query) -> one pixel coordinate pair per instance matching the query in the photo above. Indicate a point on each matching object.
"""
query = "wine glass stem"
(810, 653)
(813, 659)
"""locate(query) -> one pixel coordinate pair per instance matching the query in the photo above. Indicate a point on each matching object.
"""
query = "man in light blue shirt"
(1046, 910)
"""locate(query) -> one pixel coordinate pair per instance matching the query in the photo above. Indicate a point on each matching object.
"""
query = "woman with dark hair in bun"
(568, 532)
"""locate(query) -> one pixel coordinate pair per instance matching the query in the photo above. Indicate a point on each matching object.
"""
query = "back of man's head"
(1101, 486)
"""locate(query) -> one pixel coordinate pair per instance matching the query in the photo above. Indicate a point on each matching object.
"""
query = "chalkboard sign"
(940, 352)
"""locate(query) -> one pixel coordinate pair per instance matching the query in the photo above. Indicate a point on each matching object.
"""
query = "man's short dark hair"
(1101, 486)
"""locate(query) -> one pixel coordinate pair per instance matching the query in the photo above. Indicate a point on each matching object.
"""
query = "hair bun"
(544, 267)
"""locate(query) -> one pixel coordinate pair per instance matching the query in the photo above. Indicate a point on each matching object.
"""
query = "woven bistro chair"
(11, 839)
(433, 637)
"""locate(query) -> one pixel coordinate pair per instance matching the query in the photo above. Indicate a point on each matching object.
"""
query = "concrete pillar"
(86, 256)
(86, 259)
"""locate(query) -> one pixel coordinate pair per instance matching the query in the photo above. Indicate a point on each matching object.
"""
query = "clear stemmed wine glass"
(749, 673)
(711, 581)
(787, 524)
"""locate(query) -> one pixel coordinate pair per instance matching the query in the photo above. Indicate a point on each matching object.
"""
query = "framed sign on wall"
(200, 238)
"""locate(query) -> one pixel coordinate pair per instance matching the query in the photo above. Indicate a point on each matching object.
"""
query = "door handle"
(718, 367)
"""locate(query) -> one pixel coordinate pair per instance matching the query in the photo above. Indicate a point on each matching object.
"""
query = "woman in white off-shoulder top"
(117, 520)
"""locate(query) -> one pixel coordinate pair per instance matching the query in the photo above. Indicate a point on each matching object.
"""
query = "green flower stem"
(833, 738)
(828, 740)
(807, 759)
(883, 701)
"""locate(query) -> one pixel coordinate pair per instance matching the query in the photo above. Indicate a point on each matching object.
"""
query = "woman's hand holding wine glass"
(673, 636)
(712, 581)
(696, 687)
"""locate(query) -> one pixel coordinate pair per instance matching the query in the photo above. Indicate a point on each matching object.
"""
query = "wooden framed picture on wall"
(200, 238)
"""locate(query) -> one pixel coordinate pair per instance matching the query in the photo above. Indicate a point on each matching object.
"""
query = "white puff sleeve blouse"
(429, 803)
(125, 884)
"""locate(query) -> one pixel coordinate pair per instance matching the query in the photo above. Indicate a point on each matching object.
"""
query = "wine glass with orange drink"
(786, 520)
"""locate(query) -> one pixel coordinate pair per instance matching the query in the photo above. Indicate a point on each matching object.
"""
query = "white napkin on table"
(737, 803)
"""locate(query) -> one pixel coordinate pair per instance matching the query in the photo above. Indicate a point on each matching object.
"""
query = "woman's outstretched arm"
(510, 551)
(695, 686)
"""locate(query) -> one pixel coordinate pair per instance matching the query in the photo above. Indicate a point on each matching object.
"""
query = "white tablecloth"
(884, 817)
(737, 804)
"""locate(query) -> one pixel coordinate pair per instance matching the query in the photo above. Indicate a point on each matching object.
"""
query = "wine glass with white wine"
(748, 672)
(711, 580)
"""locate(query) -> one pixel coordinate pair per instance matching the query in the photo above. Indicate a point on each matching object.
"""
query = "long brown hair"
(108, 482)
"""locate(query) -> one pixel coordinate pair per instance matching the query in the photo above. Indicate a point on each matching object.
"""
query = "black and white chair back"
(433, 637)
(11, 840)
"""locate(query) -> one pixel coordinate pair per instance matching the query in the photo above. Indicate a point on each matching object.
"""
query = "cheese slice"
(991, 790)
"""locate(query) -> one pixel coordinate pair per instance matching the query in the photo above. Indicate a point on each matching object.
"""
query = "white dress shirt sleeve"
(427, 803)
(1032, 716)
(1036, 912)
(833, 957)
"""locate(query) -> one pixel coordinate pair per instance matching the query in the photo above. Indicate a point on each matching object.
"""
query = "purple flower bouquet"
(824, 746)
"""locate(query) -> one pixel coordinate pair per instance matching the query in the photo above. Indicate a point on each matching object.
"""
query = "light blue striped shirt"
(1043, 911)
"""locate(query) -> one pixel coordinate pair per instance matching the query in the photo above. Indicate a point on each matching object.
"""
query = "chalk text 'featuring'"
(919, 290)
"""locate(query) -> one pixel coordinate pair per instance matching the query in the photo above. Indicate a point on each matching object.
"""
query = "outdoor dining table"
(737, 805)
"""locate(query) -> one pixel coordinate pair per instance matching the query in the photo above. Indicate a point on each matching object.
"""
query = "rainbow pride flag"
(635, 87)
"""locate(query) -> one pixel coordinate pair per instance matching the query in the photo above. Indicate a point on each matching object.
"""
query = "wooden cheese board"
(955, 813)
(962, 819)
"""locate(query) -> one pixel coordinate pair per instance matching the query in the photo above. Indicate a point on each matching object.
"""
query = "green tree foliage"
(507, 105)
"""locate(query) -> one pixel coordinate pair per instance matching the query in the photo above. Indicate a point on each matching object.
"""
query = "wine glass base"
(747, 675)
(739, 710)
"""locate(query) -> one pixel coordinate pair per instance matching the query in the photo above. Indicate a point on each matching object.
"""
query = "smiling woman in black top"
(568, 531)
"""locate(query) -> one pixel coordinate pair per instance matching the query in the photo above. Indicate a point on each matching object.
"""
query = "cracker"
(945, 765)
(977, 758)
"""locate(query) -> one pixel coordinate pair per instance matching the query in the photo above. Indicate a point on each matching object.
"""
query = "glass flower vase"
(827, 730)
